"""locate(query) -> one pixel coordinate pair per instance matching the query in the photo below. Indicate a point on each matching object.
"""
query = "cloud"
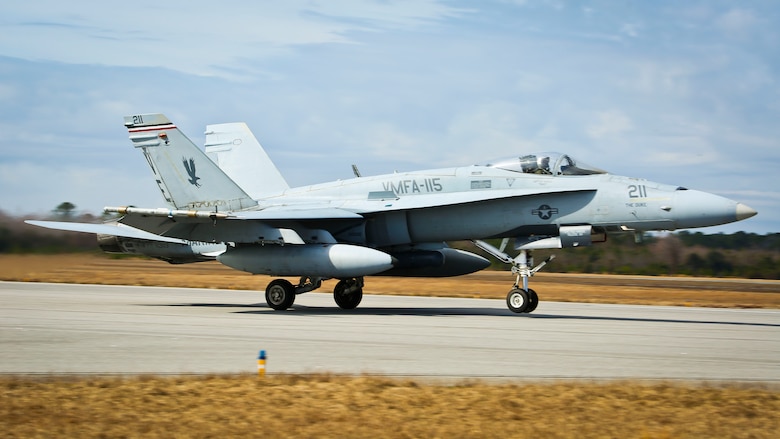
(696, 152)
(631, 29)
(737, 22)
(8, 93)
(490, 130)
(610, 123)
(529, 82)
(195, 36)
(662, 76)
(389, 142)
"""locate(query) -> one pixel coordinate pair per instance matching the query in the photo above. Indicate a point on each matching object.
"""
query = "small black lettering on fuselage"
(481, 184)
(421, 186)
(199, 204)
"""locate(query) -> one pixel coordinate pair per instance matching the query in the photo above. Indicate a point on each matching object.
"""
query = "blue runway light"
(261, 363)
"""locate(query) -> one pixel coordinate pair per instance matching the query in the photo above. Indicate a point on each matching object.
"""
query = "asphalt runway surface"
(95, 329)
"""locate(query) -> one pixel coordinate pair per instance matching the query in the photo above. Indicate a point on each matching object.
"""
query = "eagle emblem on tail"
(189, 165)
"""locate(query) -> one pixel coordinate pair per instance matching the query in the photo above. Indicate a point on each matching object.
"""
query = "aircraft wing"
(279, 225)
(296, 223)
(116, 229)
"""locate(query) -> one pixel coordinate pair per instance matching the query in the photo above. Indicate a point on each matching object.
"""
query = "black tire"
(517, 300)
(347, 300)
(280, 294)
(533, 301)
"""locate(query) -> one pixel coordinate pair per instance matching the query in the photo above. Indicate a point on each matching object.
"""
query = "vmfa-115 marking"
(233, 196)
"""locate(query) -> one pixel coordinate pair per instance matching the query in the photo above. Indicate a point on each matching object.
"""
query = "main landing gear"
(348, 293)
(280, 293)
(519, 299)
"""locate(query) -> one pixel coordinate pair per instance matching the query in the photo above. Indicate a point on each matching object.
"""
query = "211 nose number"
(637, 191)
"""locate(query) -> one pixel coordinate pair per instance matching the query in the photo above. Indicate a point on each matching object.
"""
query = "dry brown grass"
(485, 284)
(332, 406)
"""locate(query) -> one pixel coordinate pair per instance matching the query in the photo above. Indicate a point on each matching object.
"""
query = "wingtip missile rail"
(167, 213)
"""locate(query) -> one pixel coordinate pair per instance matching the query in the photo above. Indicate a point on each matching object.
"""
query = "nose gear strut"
(519, 300)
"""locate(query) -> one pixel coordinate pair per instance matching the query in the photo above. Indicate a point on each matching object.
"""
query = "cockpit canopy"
(549, 163)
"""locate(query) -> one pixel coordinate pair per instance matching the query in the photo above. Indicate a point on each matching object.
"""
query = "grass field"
(362, 407)
(357, 407)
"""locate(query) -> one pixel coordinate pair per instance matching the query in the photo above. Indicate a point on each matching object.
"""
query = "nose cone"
(701, 209)
(744, 212)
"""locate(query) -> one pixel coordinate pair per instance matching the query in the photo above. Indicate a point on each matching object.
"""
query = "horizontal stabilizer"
(116, 229)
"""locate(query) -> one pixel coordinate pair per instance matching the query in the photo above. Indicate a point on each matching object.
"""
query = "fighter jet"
(396, 224)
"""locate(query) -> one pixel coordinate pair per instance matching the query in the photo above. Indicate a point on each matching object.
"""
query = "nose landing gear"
(519, 299)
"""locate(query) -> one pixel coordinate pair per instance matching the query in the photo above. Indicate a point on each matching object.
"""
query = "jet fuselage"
(479, 202)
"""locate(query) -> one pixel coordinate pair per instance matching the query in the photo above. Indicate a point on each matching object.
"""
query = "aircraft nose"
(702, 209)
(744, 211)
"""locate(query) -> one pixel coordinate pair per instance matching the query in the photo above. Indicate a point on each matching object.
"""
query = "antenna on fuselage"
(356, 171)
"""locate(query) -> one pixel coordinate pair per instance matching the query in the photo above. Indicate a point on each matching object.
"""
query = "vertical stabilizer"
(234, 148)
(186, 177)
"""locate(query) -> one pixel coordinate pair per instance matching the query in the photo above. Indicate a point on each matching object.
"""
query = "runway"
(89, 329)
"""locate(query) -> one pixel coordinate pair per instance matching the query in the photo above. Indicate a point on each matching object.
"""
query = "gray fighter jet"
(396, 224)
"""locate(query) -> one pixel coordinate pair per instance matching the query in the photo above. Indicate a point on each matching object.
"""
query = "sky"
(684, 93)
